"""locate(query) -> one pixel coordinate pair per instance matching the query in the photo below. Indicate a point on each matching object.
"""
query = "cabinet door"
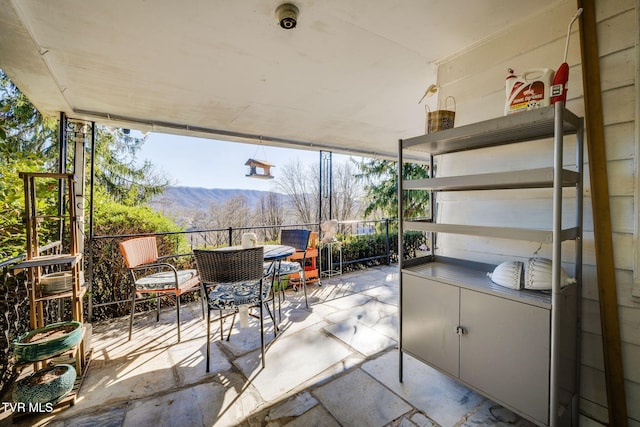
(430, 312)
(505, 351)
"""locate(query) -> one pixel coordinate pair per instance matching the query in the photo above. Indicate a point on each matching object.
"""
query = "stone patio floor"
(334, 364)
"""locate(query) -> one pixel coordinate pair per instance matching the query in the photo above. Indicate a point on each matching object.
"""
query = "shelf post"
(556, 266)
(575, 404)
(400, 257)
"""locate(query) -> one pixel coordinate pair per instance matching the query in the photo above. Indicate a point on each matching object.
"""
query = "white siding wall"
(476, 79)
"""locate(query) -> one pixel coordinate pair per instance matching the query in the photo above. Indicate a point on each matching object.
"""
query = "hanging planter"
(48, 385)
(48, 341)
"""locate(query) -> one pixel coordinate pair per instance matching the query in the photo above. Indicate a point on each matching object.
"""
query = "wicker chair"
(141, 258)
(230, 279)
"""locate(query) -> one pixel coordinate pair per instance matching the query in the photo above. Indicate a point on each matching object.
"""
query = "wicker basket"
(441, 119)
(26, 351)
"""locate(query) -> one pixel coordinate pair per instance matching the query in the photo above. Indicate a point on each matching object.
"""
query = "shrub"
(111, 281)
(371, 249)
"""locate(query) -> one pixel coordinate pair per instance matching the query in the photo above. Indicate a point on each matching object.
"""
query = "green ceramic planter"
(47, 385)
(46, 342)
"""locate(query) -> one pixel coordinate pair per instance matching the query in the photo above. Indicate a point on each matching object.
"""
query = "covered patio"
(346, 80)
(335, 363)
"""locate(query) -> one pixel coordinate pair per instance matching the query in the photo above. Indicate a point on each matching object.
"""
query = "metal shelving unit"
(540, 359)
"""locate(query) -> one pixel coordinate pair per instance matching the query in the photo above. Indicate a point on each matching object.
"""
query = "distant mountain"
(183, 202)
(195, 198)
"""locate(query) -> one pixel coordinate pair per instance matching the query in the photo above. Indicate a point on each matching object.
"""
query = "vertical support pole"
(330, 191)
(62, 168)
(78, 211)
(400, 258)
(635, 291)
(556, 266)
(325, 209)
(321, 170)
(76, 303)
(79, 170)
(33, 318)
(606, 272)
(91, 214)
(575, 404)
(386, 241)
(579, 201)
(432, 208)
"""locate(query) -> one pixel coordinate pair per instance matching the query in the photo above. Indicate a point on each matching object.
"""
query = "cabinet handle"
(460, 330)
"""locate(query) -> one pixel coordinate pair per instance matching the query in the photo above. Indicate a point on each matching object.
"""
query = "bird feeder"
(259, 169)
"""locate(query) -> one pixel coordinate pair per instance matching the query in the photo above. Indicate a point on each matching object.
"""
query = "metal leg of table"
(280, 292)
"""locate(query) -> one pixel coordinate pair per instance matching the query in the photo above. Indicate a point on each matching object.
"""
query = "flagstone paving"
(334, 364)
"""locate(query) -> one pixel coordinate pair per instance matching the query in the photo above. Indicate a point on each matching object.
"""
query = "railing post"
(230, 236)
(387, 245)
(89, 278)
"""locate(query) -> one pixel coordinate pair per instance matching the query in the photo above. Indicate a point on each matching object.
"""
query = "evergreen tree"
(117, 172)
(381, 188)
(25, 146)
(29, 143)
(23, 130)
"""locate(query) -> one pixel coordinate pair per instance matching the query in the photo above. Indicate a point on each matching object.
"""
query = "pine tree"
(381, 188)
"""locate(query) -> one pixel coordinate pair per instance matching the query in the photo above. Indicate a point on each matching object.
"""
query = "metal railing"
(374, 243)
(364, 243)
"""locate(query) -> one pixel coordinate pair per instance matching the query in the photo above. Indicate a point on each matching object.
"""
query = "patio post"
(386, 243)
(325, 187)
(92, 172)
(400, 261)
(62, 168)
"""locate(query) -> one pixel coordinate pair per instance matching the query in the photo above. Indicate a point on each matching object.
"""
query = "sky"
(208, 163)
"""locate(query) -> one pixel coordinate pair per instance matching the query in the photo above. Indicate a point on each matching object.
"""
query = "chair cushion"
(165, 280)
(229, 295)
(288, 267)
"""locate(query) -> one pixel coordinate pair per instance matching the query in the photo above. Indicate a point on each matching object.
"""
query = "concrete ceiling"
(348, 78)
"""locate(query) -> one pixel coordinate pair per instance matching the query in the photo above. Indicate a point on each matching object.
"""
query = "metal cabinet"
(497, 346)
(430, 309)
(517, 347)
(504, 351)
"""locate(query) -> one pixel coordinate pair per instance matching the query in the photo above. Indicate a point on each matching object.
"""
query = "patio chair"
(311, 273)
(230, 279)
(152, 275)
(299, 239)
